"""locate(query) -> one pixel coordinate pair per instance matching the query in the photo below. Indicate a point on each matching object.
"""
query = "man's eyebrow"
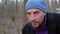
(37, 11)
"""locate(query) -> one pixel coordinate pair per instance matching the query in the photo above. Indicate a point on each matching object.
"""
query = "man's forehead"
(33, 10)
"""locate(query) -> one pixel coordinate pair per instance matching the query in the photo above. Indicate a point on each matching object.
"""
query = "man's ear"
(44, 14)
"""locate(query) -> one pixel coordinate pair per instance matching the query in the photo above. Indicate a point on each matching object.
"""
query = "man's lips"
(34, 21)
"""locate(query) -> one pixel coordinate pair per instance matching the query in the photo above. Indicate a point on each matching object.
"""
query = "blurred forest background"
(13, 15)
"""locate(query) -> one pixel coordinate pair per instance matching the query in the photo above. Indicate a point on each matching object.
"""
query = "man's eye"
(36, 12)
(28, 13)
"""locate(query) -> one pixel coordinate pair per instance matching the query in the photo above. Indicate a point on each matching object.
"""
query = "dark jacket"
(53, 24)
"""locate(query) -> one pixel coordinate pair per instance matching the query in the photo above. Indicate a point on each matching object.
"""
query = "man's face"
(35, 17)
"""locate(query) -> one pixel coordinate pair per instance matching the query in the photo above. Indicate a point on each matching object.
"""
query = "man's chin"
(35, 25)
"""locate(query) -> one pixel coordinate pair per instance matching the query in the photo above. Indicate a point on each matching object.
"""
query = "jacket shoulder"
(51, 16)
(53, 22)
(26, 29)
(26, 26)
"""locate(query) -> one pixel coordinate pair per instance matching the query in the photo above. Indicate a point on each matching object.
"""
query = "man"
(40, 22)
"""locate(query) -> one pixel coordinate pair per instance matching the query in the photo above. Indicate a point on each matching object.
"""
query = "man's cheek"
(29, 19)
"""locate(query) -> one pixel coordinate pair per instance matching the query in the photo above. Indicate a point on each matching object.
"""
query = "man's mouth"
(34, 21)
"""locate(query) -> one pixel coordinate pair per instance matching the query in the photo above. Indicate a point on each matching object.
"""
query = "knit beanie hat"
(38, 4)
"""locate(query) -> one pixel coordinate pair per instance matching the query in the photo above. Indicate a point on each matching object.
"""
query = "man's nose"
(33, 17)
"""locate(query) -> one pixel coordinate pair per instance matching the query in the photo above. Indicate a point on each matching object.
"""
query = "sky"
(0, 1)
